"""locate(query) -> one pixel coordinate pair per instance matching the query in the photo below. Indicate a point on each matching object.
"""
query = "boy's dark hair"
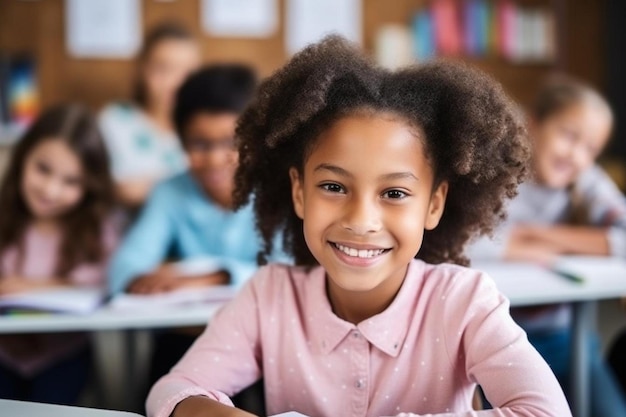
(164, 31)
(223, 88)
(81, 239)
(473, 137)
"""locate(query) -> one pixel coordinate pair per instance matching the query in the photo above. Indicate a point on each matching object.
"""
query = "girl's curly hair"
(473, 136)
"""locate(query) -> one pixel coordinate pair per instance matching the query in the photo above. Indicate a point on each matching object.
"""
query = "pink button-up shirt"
(447, 329)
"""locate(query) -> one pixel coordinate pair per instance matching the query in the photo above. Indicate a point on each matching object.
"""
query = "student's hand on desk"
(167, 278)
(16, 284)
(562, 239)
(525, 244)
(200, 406)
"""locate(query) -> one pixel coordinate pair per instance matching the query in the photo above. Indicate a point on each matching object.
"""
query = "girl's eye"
(394, 194)
(332, 187)
(43, 168)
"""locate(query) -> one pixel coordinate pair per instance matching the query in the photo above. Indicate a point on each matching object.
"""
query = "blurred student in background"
(56, 230)
(140, 136)
(189, 217)
(570, 207)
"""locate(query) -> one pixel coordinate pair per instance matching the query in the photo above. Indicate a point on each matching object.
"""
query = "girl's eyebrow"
(342, 172)
(334, 169)
(400, 176)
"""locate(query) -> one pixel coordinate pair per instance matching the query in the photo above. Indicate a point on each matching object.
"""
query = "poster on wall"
(103, 28)
(308, 21)
(240, 18)
(19, 96)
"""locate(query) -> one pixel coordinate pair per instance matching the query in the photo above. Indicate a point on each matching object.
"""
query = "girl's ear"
(436, 206)
(297, 193)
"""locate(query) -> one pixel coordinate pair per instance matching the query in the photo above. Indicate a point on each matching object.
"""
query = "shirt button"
(359, 383)
(355, 334)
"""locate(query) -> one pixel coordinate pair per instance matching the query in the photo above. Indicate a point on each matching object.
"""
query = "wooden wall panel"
(37, 27)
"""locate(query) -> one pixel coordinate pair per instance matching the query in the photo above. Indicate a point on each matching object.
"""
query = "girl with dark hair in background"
(56, 230)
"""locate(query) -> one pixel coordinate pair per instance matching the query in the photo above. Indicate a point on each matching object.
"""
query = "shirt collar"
(386, 331)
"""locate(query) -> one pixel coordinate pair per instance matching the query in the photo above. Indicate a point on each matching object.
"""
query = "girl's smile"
(358, 255)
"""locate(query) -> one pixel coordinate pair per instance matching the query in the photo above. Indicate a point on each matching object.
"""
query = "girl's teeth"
(363, 253)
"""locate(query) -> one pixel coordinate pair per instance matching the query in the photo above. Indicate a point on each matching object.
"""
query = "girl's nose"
(581, 156)
(362, 217)
(51, 189)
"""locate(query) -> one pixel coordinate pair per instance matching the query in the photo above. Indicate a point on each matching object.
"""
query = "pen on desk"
(568, 275)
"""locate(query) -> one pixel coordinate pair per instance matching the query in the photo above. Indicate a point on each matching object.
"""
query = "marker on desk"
(568, 275)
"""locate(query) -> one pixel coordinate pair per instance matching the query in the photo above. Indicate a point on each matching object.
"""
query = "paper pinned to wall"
(240, 18)
(308, 21)
(103, 28)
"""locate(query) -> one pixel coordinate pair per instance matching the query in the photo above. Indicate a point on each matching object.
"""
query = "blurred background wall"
(37, 27)
(589, 43)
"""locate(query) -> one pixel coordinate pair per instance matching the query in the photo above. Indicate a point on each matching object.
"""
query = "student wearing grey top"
(569, 206)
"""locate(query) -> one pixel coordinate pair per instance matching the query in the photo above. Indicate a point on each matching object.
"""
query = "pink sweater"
(30, 353)
(447, 329)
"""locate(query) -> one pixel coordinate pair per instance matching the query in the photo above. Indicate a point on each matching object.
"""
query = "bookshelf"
(520, 75)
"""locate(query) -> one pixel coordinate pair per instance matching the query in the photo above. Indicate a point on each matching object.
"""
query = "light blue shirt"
(180, 219)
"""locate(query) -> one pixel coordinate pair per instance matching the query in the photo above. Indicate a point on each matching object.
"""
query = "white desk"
(110, 319)
(526, 284)
(28, 409)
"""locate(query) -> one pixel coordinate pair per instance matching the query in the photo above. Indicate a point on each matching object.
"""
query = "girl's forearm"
(575, 240)
(17, 284)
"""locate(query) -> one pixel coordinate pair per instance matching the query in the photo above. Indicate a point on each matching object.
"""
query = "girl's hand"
(200, 406)
(526, 244)
(167, 278)
(562, 239)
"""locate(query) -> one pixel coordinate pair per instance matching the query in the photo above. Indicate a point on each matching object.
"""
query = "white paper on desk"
(103, 28)
(183, 296)
(240, 18)
(592, 266)
(61, 300)
(308, 21)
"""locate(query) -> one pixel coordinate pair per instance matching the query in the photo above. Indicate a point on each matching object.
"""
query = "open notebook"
(184, 296)
(58, 300)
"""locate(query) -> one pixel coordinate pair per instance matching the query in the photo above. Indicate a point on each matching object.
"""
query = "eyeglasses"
(201, 145)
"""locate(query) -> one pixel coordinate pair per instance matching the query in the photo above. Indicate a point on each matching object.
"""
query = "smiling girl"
(377, 179)
(569, 207)
(55, 231)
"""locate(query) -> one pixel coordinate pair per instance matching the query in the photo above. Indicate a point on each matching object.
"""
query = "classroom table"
(107, 318)
(527, 284)
(29, 409)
